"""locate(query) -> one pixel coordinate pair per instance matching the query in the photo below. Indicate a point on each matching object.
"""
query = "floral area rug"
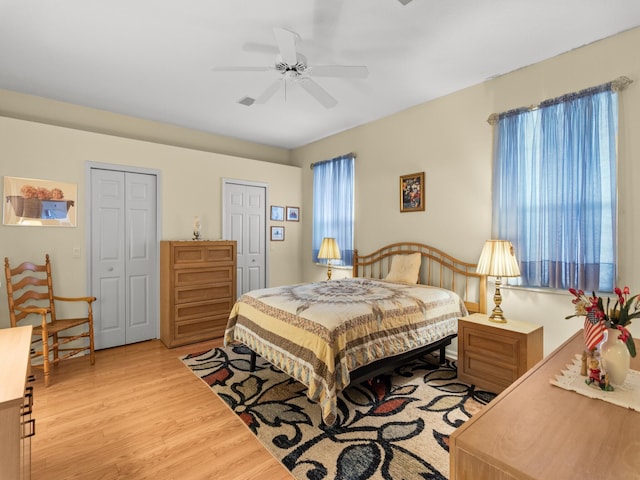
(381, 433)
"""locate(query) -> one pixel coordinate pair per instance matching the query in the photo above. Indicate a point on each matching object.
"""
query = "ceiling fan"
(293, 68)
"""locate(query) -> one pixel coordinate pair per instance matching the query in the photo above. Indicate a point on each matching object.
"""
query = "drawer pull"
(27, 406)
(29, 428)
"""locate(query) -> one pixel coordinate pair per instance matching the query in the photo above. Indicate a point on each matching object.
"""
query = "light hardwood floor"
(140, 413)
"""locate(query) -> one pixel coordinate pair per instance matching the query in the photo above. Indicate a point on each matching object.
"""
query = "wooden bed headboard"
(438, 269)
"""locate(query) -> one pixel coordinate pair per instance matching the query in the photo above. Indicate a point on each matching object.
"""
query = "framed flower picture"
(34, 202)
(412, 192)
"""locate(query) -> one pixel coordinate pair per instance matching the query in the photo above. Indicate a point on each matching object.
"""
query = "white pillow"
(405, 268)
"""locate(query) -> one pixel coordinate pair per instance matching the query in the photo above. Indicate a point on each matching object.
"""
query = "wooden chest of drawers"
(493, 355)
(197, 290)
(16, 424)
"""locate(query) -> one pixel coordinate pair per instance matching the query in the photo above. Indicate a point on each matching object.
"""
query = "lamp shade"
(498, 260)
(329, 249)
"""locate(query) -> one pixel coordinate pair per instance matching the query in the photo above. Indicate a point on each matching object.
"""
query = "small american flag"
(593, 331)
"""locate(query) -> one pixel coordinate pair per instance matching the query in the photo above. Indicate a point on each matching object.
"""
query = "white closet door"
(123, 257)
(245, 221)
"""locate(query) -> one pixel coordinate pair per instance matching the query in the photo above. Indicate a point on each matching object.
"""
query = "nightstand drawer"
(502, 373)
(501, 347)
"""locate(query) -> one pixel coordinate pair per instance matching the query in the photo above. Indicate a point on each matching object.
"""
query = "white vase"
(615, 357)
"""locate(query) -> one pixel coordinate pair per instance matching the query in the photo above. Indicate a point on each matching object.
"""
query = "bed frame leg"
(387, 383)
(384, 379)
(442, 354)
(252, 366)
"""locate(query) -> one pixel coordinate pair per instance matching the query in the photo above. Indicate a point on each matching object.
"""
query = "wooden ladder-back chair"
(30, 292)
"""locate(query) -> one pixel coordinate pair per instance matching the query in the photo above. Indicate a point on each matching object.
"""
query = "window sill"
(334, 267)
(553, 291)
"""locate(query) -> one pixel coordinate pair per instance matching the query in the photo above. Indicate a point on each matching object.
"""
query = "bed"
(403, 301)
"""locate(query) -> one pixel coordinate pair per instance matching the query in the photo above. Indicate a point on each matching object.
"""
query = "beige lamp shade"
(498, 260)
(329, 250)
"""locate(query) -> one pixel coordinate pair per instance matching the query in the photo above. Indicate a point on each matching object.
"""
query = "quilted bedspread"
(320, 332)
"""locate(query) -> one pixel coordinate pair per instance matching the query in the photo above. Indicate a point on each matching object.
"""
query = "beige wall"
(44, 110)
(191, 184)
(450, 140)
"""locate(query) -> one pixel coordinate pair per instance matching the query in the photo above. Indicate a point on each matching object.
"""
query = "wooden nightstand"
(493, 355)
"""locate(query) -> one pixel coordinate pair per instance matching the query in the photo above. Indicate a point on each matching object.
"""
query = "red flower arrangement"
(619, 316)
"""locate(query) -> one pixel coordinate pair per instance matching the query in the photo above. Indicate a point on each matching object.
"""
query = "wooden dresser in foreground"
(197, 290)
(537, 431)
(493, 355)
(16, 424)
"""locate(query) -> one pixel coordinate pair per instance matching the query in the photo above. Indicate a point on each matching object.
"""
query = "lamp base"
(497, 316)
(497, 313)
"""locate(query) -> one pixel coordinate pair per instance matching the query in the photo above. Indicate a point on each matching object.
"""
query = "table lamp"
(329, 250)
(497, 260)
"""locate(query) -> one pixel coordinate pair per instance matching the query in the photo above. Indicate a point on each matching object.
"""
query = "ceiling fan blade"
(317, 92)
(346, 71)
(286, 41)
(269, 92)
(241, 69)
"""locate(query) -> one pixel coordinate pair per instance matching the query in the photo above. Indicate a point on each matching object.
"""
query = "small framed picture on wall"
(412, 192)
(293, 214)
(277, 213)
(277, 234)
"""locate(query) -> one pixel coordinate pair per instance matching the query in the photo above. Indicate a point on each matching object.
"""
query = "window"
(554, 190)
(333, 186)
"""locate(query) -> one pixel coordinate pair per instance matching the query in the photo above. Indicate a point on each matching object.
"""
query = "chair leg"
(55, 350)
(92, 353)
(45, 359)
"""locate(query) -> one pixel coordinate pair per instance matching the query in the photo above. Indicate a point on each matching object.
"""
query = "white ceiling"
(153, 59)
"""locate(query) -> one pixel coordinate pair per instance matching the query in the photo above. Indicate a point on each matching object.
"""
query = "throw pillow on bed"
(405, 268)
